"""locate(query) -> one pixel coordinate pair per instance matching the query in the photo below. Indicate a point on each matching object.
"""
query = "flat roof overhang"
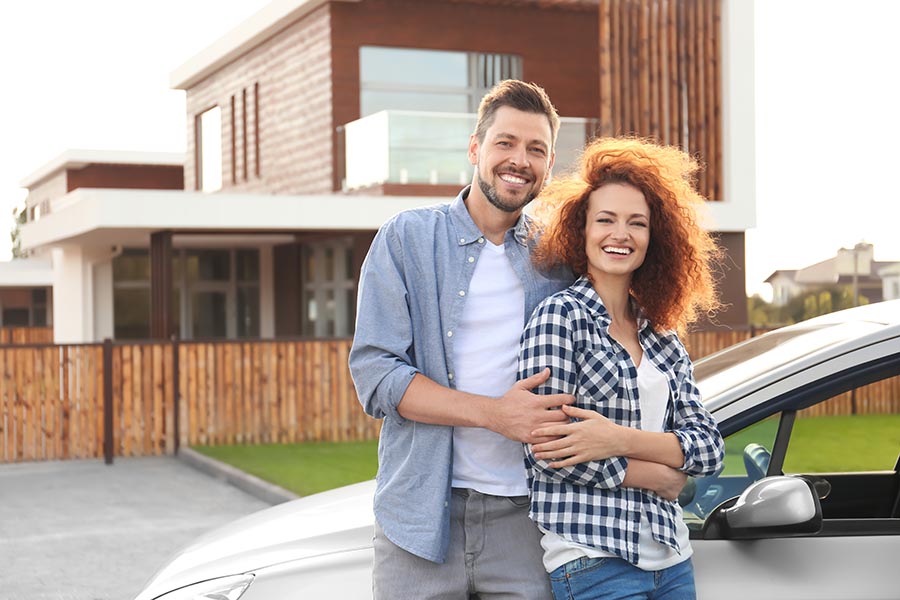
(113, 216)
(26, 272)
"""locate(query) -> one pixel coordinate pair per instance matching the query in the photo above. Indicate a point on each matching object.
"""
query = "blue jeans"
(617, 579)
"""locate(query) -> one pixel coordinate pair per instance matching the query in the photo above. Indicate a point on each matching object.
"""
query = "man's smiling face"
(513, 160)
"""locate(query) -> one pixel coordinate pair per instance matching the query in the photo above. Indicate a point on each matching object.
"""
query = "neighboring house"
(26, 298)
(853, 268)
(314, 121)
(890, 281)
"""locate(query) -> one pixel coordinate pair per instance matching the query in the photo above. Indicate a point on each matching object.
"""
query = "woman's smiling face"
(617, 230)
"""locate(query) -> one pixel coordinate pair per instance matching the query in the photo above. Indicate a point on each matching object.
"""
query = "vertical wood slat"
(176, 411)
(127, 404)
(24, 386)
(246, 394)
(291, 383)
(283, 401)
(605, 68)
(7, 420)
(192, 422)
(642, 15)
(658, 73)
(615, 73)
(157, 439)
(715, 159)
(700, 149)
(219, 397)
(227, 376)
(117, 400)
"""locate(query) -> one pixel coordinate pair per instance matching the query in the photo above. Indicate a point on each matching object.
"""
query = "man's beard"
(490, 192)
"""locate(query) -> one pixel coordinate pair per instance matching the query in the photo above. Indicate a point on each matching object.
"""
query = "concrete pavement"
(82, 530)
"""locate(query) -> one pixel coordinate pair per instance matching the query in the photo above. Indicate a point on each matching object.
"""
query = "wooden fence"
(57, 401)
(51, 402)
(26, 335)
(53, 405)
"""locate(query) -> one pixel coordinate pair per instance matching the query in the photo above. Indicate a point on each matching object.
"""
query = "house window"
(215, 293)
(131, 295)
(15, 317)
(208, 136)
(329, 298)
(39, 307)
(429, 80)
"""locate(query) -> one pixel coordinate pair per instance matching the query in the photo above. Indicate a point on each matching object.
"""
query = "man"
(443, 297)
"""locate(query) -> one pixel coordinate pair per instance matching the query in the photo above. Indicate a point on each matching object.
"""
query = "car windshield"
(748, 360)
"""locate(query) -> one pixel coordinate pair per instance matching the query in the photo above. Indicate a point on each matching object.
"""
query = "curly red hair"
(675, 282)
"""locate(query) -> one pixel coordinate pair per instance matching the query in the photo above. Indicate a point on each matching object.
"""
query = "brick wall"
(293, 73)
(562, 57)
(145, 177)
(295, 70)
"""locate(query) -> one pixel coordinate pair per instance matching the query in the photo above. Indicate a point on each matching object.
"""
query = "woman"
(604, 485)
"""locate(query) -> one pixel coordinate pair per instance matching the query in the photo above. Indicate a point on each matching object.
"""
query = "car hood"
(334, 521)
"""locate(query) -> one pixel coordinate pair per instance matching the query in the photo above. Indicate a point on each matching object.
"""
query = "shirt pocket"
(599, 381)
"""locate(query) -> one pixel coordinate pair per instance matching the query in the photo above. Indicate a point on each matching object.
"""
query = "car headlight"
(222, 588)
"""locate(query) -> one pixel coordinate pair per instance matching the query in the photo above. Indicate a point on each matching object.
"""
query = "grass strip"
(305, 468)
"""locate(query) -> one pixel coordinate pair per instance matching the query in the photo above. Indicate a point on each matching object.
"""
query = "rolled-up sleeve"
(547, 342)
(381, 362)
(696, 429)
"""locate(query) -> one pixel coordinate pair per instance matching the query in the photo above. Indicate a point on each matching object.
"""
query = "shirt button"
(471, 259)
(462, 240)
(449, 334)
(462, 292)
(450, 376)
(481, 240)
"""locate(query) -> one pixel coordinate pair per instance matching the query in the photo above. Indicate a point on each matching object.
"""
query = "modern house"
(890, 281)
(314, 121)
(852, 268)
(26, 293)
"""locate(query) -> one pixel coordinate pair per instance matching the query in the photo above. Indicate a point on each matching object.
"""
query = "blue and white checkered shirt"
(586, 503)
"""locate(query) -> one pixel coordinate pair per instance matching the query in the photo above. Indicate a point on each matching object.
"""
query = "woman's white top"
(653, 391)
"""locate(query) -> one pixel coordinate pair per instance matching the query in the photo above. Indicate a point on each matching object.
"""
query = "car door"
(840, 428)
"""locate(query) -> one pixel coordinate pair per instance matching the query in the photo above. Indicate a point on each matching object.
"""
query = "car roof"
(740, 369)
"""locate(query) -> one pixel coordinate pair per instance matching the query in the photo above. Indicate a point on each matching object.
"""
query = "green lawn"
(302, 468)
(819, 444)
(822, 444)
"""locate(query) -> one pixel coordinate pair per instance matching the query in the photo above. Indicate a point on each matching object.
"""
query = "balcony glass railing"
(408, 147)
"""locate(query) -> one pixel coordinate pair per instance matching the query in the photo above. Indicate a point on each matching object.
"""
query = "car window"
(757, 356)
(747, 454)
(846, 444)
(849, 445)
(856, 431)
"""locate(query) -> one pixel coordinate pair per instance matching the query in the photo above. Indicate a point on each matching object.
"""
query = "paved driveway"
(82, 530)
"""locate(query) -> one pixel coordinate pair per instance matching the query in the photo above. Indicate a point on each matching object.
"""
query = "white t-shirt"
(653, 392)
(485, 353)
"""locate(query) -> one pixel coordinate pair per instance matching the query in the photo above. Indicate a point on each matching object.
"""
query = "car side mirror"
(777, 506)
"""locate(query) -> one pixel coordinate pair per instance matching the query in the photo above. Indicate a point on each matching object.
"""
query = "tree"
(15, 234)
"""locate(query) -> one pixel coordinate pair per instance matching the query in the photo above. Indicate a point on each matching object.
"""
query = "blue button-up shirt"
(409, 307)
(586, 503)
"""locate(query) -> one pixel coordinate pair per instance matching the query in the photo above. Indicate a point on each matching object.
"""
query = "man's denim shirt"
(411, 294)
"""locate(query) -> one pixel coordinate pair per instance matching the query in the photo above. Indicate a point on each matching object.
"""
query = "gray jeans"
(495, 554)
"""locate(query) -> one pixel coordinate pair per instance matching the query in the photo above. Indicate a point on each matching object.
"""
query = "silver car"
(806, 507)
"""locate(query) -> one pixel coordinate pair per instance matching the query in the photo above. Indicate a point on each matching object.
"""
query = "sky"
(94, 74)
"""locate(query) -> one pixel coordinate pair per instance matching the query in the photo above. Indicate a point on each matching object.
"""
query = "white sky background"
(94, 74)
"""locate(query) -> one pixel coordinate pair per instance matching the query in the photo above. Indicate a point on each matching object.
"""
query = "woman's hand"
(594, 437)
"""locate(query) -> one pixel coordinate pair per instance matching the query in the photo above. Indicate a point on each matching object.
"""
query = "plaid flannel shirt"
(586, 503)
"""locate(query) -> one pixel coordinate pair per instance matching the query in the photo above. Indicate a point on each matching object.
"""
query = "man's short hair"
(527, 97)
